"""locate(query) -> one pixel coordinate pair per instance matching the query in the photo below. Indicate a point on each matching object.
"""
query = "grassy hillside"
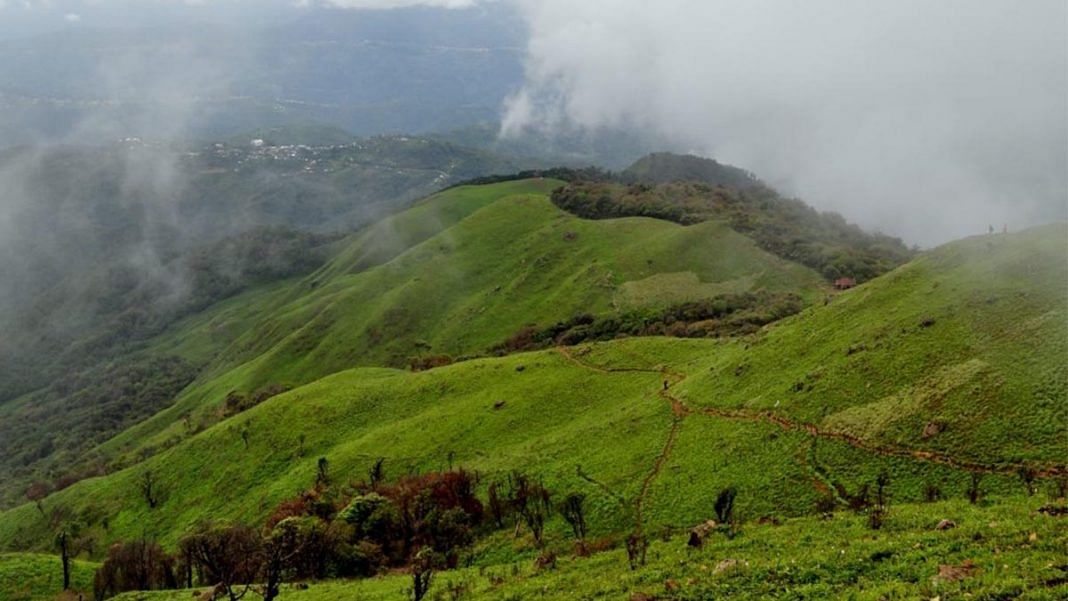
(26, 577)
(103, 247)
(99, 233)
(454, 276)
(1017, 554)
(785, 227)
(969, 337)
(733, 413)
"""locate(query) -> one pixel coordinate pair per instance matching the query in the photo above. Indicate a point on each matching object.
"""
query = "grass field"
(455, 275)
(1016, 553)
(28, 577)
(668, 461)
(948, 366)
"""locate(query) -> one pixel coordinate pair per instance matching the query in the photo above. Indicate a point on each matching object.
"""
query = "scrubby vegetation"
(421, 523)
(782, 226)
(1001, 551)
(724, 315)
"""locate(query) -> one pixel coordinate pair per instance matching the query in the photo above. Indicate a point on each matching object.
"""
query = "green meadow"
(1013, 552)
(28, 577)
(948, 366)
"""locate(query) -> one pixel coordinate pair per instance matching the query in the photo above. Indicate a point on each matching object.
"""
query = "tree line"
(420, 523)
(785, 227)
(722, 315)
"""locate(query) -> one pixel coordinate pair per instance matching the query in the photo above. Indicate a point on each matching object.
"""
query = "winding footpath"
(681, 411)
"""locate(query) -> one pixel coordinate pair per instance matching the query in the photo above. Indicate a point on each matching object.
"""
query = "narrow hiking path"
(680, 411)
(647, 484)
(1041, 471)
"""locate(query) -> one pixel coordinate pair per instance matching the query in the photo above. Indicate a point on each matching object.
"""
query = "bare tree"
(725, 505)
(532, 502)
(150, 488)
(1028, 476)
(63, 542)
(229, 555)
(281, 547)
(974, 492)
(496, 505)
(377, 474)
(879, 506)
(422, 569)
(636, 546)
(574, 512)
(322, 474)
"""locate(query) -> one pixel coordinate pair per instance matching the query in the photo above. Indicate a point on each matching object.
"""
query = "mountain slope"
(968, 338)
(480, 263)
(841, 559)
(101, 248)
(665, 449)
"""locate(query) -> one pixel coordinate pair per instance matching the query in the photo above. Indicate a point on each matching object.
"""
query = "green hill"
(793, 416)
(785, 227)
(104, 247)
(454, 276)
(943, 375)
(666, 167)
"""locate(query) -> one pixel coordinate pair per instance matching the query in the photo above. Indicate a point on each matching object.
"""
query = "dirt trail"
(681, 411)
(1041, 471)
(661, 459)
(678, 410)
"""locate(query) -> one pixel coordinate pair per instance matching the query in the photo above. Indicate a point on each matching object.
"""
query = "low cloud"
(387, 4)
(927, 120)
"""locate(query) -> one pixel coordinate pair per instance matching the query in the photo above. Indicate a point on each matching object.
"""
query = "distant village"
(376, 152)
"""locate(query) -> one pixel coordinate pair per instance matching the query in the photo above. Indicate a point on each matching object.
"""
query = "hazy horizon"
(925, 122)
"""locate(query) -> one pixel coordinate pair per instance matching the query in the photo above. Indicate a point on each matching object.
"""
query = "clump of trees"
(237, 402)
(420, 523)
(723, 315)
(425, 362)
(139, 565)
(566, 174)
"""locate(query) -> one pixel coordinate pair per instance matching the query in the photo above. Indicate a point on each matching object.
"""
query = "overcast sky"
(929, 120)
